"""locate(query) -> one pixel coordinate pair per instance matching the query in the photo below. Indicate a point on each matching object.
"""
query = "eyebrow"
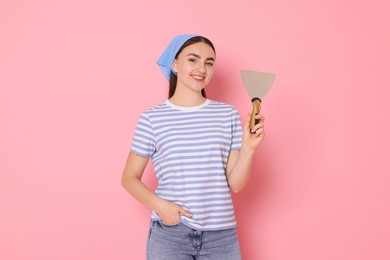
(197, 56)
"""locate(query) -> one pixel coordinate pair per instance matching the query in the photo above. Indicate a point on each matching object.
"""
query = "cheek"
(210, 71)
(186, 67)
(210, 78)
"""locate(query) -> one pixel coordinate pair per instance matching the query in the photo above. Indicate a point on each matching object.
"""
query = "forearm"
(240, 173)
(140, 192)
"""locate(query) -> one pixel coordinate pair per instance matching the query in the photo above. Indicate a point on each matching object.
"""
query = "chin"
(199, 88)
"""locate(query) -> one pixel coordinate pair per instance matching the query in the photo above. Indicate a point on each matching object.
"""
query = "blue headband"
(166, 59)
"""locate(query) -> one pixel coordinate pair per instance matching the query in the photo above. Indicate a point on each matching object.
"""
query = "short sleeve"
(236, 130)
(143, 140)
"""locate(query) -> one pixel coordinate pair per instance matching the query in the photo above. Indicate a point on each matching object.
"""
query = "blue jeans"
(179, 242)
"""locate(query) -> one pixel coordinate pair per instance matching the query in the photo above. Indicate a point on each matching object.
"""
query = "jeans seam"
(148, 239)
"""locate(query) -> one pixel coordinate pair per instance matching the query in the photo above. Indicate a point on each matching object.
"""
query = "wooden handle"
(255, 110)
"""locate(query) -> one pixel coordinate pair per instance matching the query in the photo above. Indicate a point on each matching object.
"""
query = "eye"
(210, 64)
(191, 60)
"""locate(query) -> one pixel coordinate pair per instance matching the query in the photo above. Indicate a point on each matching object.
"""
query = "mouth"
(198, 77)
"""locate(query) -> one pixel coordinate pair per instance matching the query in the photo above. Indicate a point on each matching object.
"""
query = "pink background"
(75, 75)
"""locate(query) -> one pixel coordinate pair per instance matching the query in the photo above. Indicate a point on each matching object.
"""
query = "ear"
(174, 65)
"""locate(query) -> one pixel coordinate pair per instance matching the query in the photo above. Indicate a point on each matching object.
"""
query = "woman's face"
(195, 66)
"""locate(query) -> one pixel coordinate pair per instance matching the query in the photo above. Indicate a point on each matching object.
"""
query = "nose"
(202, 67)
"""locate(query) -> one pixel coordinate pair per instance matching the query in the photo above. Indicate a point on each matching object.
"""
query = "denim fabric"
(179, 242)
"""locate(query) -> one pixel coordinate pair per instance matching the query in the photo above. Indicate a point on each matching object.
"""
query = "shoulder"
(159, 108)
(222, 105)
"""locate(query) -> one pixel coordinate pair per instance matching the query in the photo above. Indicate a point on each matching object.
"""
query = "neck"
(187, 98)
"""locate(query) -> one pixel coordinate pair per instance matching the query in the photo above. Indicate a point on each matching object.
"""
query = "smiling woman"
(200, 153)
(194, 65)
(172, 73)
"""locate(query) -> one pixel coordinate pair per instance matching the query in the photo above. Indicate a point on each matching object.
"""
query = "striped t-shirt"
(189, 147)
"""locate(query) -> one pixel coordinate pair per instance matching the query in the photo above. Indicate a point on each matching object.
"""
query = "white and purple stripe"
(189, 147)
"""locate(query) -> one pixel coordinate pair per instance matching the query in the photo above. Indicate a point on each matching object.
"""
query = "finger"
(247, 122)
(260, 132)
(257, 129)
(260, 117)
(247, 127)
(257, 126)
(184, 212)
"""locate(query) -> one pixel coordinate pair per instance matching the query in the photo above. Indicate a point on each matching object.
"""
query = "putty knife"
(257, 84)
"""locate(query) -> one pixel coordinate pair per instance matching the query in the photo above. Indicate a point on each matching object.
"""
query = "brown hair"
(173, 77)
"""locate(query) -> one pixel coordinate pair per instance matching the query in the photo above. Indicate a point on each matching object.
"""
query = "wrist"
(157, 204)
(247, 150)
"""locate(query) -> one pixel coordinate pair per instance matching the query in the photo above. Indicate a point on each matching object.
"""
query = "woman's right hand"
(170, 212)
(131, 180)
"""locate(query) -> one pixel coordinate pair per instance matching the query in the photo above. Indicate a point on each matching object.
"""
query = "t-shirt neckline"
(194, 108)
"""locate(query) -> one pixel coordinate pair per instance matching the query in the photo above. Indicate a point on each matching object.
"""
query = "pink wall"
(75, 75)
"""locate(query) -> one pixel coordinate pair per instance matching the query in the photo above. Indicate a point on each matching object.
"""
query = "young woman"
(200, 153)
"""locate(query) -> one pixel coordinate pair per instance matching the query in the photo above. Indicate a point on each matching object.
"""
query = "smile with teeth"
(197, 77)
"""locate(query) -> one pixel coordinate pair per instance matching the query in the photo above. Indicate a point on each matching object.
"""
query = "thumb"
(247, 122)
(184, 212)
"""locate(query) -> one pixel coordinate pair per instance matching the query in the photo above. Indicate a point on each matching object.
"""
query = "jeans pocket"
(168, 225)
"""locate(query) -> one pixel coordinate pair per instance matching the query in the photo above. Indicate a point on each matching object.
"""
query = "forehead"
(200, 48)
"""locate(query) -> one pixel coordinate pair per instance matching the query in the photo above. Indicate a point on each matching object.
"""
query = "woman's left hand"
(252, 138)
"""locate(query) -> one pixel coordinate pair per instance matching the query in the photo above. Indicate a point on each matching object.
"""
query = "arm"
(131, 181)
(239, 165)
